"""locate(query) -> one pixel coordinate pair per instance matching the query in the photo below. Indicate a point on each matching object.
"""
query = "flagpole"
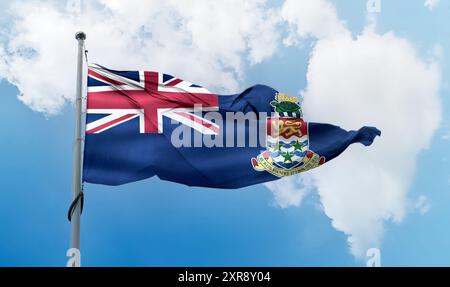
(77, 185)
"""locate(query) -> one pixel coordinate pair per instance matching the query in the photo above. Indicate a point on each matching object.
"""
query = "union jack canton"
(149, 96)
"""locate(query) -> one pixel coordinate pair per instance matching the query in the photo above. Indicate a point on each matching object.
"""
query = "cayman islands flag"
(144, 123)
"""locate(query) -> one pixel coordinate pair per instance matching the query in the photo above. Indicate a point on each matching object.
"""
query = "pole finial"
(80, 36)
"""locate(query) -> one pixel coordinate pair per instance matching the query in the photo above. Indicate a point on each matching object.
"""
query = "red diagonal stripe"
(105, 125)
(173, 83)
(92, 73)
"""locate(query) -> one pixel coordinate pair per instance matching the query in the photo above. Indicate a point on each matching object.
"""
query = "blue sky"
(156, 223)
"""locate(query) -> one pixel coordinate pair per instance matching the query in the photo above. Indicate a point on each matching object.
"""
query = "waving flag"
(141, 123)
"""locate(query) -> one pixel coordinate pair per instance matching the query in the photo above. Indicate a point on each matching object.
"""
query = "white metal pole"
(75, 234)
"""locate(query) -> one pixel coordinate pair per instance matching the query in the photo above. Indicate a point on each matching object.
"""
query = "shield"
(287, 141)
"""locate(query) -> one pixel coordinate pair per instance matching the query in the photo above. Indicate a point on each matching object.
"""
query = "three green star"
(287, 157)
(299, 145)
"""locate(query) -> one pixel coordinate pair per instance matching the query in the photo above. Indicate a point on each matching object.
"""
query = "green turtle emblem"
(286, 104)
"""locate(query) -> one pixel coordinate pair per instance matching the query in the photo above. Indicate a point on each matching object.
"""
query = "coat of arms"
(287, 141)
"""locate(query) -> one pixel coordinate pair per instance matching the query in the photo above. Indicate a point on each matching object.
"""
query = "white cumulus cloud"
(290, 191)
(422, 204)
(431, 4)
(377, 80)
(208, 42)
(311, 18)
